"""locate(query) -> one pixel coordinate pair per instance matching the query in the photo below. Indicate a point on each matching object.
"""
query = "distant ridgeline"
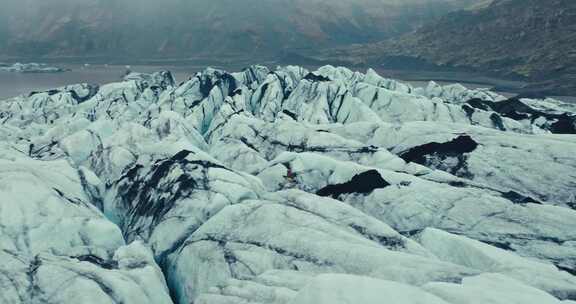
(247, 28)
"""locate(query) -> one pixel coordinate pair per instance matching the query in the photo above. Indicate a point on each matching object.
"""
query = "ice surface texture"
(285, 186)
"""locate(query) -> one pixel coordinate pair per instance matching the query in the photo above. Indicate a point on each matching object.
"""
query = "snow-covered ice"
(286, 186)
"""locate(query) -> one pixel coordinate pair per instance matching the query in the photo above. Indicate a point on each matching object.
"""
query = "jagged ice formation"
(285, 186)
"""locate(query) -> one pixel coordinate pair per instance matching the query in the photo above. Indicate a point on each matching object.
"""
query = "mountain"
(527, 39)
(285, 186)
(182, 29)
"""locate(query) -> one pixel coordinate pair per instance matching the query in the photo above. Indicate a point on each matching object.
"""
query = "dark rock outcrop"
(363, 183)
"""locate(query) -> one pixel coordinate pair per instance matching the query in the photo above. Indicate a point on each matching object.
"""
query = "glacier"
(286, 186)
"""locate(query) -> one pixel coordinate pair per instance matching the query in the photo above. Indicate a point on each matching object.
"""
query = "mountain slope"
(285, 186)
(204, 27)
(517, 38)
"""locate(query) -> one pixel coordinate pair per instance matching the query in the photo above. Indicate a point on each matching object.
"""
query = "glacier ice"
(285, 186)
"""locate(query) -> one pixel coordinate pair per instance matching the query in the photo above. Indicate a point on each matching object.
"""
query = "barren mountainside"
(202, 27)
(531, 39)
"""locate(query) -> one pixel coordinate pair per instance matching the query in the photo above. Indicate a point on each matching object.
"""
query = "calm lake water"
(14, 84)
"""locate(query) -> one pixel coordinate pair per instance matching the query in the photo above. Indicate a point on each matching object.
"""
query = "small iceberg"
(31, 68)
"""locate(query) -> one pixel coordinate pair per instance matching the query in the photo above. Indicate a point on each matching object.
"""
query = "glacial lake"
(14, 84)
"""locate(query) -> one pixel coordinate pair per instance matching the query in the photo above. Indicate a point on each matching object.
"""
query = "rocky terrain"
(253, 29)
(526, 39)
(286, 186)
